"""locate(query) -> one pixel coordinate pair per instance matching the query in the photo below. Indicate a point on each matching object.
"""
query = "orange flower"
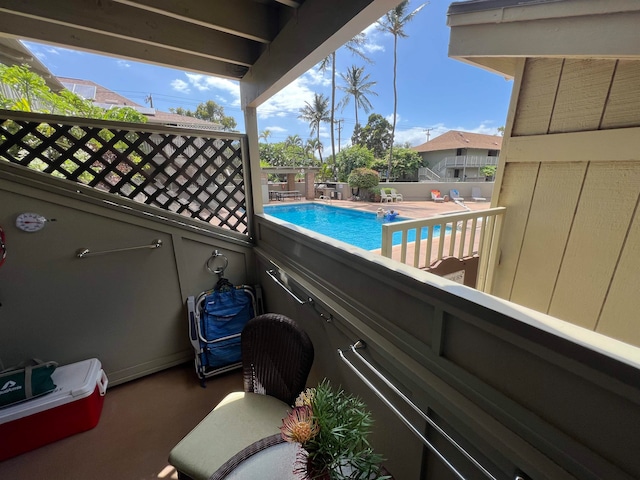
(299, 426)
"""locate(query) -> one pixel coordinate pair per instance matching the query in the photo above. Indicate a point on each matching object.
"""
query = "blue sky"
(435, 92)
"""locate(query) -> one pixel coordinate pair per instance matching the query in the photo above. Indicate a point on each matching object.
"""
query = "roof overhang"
(265, 44)
(494, 34)
(13, 52)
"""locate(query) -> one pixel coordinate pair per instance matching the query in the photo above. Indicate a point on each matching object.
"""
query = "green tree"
(364, 178)
(293, 140)
(489, 171)
(406, 163)
(375, 135)
(351, 158)
(30, 93)
(358, 86)
(211, 112)
(354, 46)
(265, 134)
(394, 22)
(316, 113)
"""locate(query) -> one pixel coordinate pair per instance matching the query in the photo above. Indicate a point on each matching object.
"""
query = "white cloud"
(180, 86)
(52, 50)
(316, 77)
(482, 128)
(276, 129)
(374, 36)
(123, 64)
(415, 136)
(222, 88)
(389, 118)
(290, 99)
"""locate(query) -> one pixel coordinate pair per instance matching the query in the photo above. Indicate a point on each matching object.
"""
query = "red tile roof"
(454, 139)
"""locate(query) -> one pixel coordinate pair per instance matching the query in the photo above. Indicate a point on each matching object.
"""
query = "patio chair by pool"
(385, 197)
(476, 195)
(396, 196)
(455, 195)
(436, 196)
(276, 359)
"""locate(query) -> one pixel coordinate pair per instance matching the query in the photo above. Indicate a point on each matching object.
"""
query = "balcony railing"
(463, 161)
(426, 241)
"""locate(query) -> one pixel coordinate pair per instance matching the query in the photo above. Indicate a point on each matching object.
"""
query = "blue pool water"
(361, 229)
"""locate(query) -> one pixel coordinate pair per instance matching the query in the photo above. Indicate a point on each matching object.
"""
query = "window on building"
(493, 153)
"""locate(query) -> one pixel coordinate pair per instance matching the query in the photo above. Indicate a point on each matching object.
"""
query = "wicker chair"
(276, 359)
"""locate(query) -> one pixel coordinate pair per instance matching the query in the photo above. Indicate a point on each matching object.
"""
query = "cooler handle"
(103, 381)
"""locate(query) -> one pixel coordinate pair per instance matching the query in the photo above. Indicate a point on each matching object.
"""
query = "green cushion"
(239, 420)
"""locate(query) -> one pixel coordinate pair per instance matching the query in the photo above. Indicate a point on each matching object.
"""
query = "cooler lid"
(73, 382)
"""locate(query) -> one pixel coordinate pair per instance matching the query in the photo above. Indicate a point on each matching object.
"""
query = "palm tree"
(265, 134)
(315, 113)
(394, 22)
(358, 86)
(355, 47)
(313, 145)
(293, 141)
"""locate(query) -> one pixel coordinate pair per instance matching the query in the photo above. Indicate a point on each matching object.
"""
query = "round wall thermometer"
(30, 222)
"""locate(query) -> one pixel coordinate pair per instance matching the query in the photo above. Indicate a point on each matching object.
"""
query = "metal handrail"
(359, 345)
(85, 252)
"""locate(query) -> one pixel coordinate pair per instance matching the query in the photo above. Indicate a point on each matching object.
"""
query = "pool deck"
(408, 208)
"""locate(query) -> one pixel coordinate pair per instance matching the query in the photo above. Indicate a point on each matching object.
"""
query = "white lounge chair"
(397, 197)
(385, 197)
(436, 196)
(476, 195)
(455, 195)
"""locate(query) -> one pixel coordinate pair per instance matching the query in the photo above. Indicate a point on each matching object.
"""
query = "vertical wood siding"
(571, 238)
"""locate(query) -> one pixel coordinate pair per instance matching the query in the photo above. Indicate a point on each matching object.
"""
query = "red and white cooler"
(74, 406)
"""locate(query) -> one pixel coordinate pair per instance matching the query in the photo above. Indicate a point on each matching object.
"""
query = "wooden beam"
(598, 36)
(68, 37)
(622, 144)
(243, 18)
(318, 28)
(122, 21)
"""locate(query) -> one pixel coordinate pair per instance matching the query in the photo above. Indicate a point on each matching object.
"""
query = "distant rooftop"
(455, 139)
(105, 98)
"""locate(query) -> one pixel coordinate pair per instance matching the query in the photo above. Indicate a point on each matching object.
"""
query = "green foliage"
(363, 178)
(284, 154)
(488, 170)
(351, 158)
(31, 94)
(375, 135)
(211, 112)
(342, 443)
(406, 163)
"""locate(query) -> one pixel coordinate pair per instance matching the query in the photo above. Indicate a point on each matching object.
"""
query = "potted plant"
(331, 428)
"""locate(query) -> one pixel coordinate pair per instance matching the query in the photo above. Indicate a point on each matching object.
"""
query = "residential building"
(460, 156)
(105, 98)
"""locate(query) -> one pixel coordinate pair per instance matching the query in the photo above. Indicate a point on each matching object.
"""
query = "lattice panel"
(199, 177)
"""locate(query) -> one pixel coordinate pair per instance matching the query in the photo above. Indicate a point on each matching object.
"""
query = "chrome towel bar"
(309, 301)
(359, 345)
(85, 252)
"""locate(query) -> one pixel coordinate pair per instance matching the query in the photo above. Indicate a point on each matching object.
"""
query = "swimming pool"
(361, 229)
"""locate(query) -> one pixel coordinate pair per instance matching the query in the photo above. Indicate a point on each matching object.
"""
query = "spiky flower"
(305, 399)
(299, 426)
